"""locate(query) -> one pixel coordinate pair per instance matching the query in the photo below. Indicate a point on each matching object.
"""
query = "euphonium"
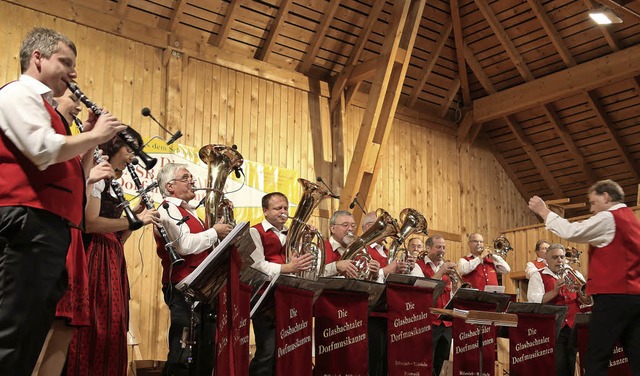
(300, 236)
(384, 226)
(412, 222)
(573, 281)
(220, 160)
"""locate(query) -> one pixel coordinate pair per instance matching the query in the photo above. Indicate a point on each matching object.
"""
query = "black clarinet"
(134, 222)
(148, 161)
(173, 254)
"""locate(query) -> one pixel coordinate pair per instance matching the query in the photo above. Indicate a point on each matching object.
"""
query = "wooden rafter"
(603, 118)
(122, 7)
(382, 101)
(552, 32)
(477, 70)
(504, 39)
(434, 55)
(608, 35)
(602, 71)
(220, 39)
(617, 6)
(453, 90)
(636, 84)
(175, 15)
(318, 37)
(464, 128)
(533, 155)
(568, 142)
(270, 42)
(340, 82)
(458, 37)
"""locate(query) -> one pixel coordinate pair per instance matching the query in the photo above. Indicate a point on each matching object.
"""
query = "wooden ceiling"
(555, 95)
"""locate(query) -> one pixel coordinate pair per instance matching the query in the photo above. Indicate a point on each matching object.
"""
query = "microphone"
(353, 203)
(319, 178)
(356, 202)
(238, 169)
(174, 136)
(179, 222)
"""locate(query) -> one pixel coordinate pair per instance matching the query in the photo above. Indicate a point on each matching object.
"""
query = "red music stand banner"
(409, 330)
(532, 345)
(229, 353)
(224, 356)
(293, 314)
(618, 364)
(466, 356)
(241, 331)
(341, 341)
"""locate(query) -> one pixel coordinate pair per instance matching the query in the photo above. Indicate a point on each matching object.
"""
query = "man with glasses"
(193, 242)
(481, 267)
(342, 234)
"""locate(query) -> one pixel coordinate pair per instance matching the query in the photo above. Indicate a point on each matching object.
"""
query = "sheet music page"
(264, 294)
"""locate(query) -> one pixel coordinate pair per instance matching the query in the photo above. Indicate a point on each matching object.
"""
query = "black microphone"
(237, 170)
(179, 222)
(174, 136)
(353, 203)
(319, 178)
(357, 202)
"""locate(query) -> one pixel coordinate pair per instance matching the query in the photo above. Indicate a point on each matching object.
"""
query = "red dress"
(74, 305)
(101, 347)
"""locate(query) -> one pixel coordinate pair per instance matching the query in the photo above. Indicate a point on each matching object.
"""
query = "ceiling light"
(604, 16)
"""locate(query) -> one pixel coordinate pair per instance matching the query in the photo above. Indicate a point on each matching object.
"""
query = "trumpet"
(456, 280)
(573, 281)
(501, 246)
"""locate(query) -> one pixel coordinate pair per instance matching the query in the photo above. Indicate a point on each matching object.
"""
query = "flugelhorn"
(412, 222)
(457, 281)
(573, 281)
(148, 161)
(221, 160)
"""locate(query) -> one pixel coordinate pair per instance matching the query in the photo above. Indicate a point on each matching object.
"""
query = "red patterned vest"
(483, 275)
(539, 264)
(564, 297)
(273, 249)
(329, 254)
(443, 299)
(377, 256)
(190, 261)
(59, 189)
(615, 268)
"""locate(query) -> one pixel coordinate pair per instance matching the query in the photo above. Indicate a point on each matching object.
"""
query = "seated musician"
(270, 237)
(541, 260)
(433, 265)
(481, 267)
(380, 253)
(193, 242)
(547, 286)
(342, 225)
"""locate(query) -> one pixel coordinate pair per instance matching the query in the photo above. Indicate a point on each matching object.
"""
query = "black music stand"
(206, 281)
(266, 303)
(374, 290)
(254, 278)
(437, 285)
(560, 311)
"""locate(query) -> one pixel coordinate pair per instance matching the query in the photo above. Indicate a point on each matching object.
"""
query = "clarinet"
(134, 222)
(124, 136)
(173, 254)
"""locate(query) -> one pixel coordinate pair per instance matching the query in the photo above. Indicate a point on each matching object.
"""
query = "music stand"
(560, 311)
(404, 279)
(373, 289)
(206, 281)
(266, 303)
(254, 278)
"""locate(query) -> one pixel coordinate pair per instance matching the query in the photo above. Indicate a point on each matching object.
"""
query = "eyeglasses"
(184, 178)
(345, 225)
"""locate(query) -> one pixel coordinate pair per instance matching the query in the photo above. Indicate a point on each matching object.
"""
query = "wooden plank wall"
(458, 190)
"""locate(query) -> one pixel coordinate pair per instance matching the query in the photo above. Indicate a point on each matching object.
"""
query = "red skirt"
(74, 305)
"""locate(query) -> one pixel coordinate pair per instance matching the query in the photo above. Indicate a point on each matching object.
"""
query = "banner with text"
(466, 356)
(532, 344)
(293, 311)
(241, 331)
(618, 364)
(409, 330)
(230, 325)
(341, 333)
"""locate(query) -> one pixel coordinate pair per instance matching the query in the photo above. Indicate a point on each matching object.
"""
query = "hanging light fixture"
(604, 16)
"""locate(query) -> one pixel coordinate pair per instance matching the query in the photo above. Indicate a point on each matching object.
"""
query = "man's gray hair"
(44, 40)
(166, 174)
(337, 214)
(368, 219)
(614, 189)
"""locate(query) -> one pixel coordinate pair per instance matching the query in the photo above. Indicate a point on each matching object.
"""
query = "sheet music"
(264, 295)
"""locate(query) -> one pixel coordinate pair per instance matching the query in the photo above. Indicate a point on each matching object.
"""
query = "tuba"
(300, 237)
(502, 246)
(384, 226)
(220, 160)
(412, 221)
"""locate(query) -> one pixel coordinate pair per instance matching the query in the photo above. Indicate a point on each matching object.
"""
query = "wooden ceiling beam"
(434, 55)
(316, 40)
(599, 72)
(636, 84)
(458, 37)
(608, 35)
(533, 155)
(611, 4)
(569, 144)
(603, 118)
(477, 70)
(122, 7)
(220, 39)
(451, 95)
(264, 52)
(175, 15)
(504, 39)
(552, 32)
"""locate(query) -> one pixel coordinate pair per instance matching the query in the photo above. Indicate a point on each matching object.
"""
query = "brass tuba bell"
(412, 222)
(384, 226)
(221, 160)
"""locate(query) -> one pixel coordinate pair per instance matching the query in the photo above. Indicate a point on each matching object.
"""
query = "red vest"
(273, 249)
(564, 297)
(384, 261)
(539, 264)
(190, 261)
(615, 269)
(59, 189)
(483, 275)
(329, 254)
(443, 299)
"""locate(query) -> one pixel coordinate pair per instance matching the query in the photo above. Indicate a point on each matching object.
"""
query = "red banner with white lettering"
(224, 364)
(241, 331)
(341, 333)
(293, 311)
(466, 356)
(618, 364)
(532, 345)
(229, 358)
(409, 330)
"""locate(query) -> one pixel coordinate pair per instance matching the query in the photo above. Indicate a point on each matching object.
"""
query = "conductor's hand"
(297, 263)
(347, 268)
(222, 229)
(538, 206)
(374, 266)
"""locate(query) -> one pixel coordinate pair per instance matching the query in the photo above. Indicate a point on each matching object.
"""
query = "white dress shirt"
(598, 230)
(536, 290)
(259, 262)
(531, 268)
(467, 266)
(26, 122)
(330, 270)
(187, 243)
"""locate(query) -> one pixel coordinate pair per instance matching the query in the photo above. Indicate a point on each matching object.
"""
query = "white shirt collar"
(266, 225)
(618, 206)
(38, 87)
(178, 202)
(336, 246)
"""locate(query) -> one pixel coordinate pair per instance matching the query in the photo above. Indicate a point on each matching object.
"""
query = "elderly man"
(541, 259)
(342, 226)
(613, 235)
(480, 267)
